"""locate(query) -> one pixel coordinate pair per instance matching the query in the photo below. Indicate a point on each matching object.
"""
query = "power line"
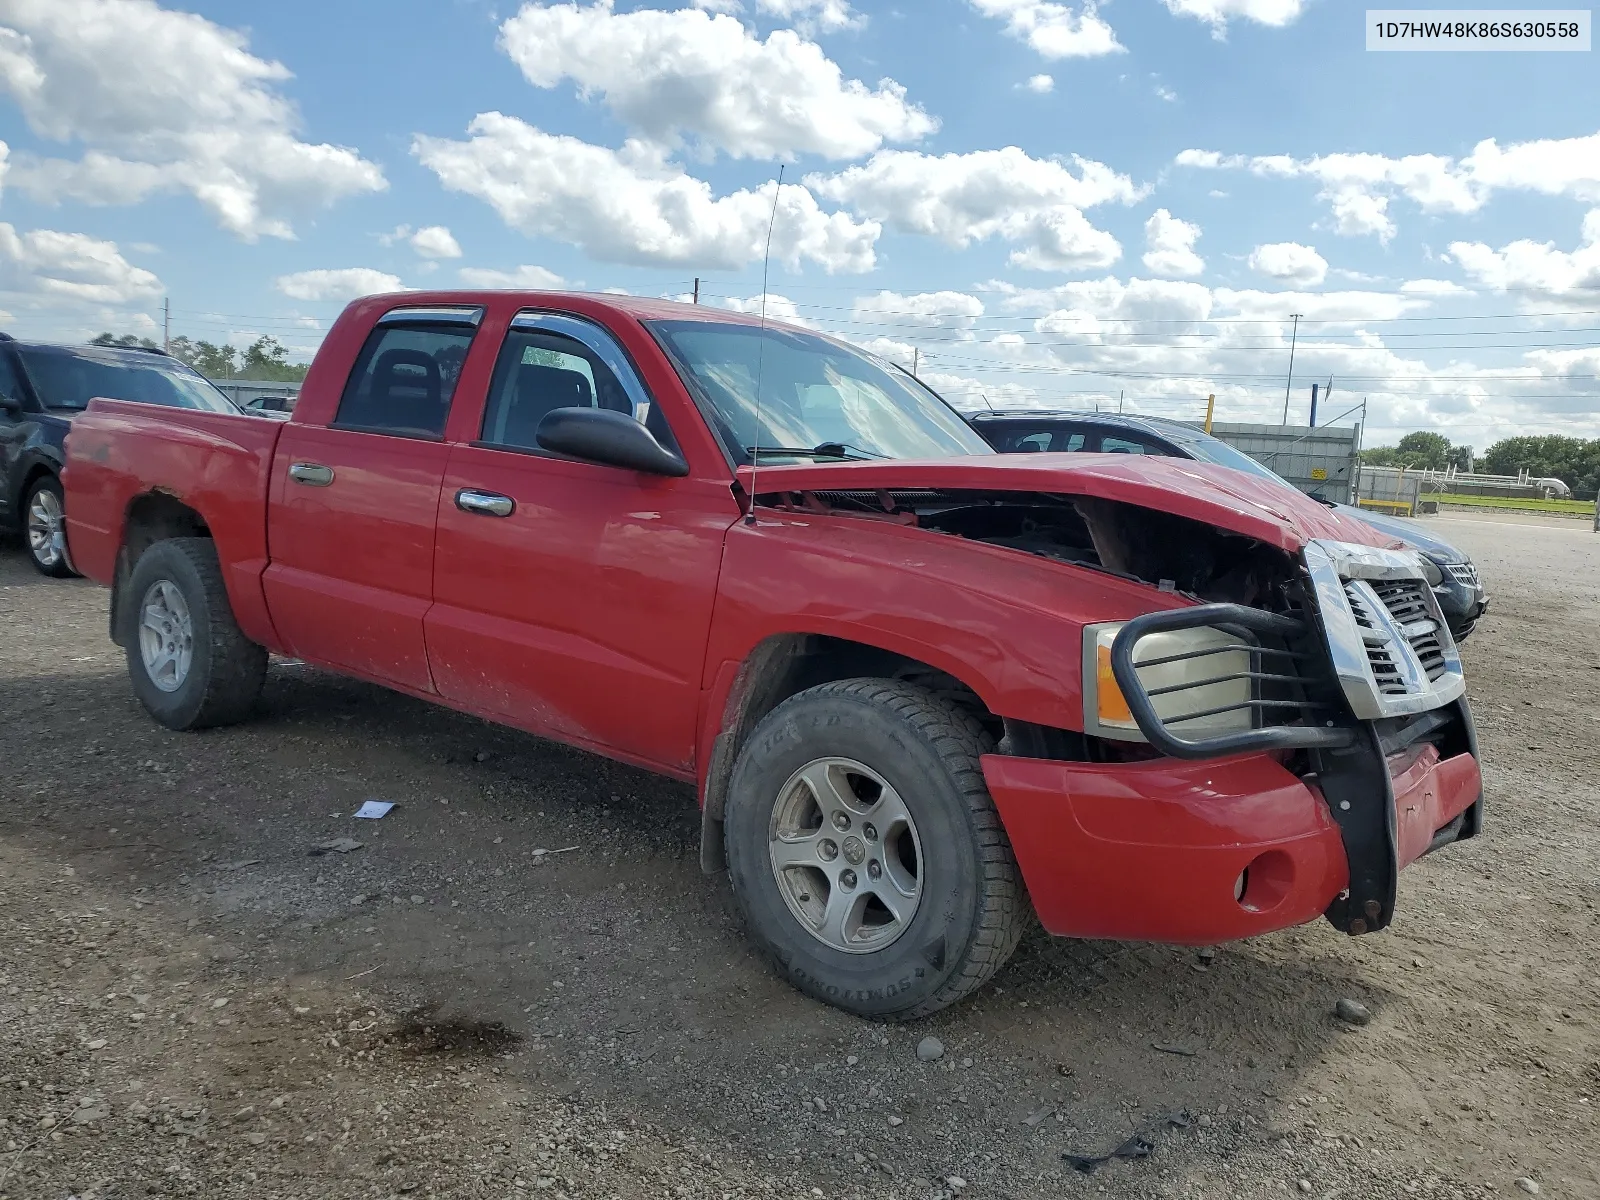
(1588, 312)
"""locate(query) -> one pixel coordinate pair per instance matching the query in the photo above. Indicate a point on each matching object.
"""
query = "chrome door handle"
(311, 473)
(488, 504)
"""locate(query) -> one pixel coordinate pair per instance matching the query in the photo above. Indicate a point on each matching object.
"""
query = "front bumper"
(1158, 850)
(1462, 604)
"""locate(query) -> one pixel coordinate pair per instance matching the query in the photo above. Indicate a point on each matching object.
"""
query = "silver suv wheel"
(47, 530)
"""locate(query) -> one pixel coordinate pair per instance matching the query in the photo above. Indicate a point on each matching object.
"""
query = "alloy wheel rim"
(46, 530)
(846, 855)
(166, 635)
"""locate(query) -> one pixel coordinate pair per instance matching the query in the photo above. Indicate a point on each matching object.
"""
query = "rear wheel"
(191, 666)
(866, 853)
(44, 523)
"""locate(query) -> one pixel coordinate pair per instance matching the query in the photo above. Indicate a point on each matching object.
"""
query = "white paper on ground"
(373, 809)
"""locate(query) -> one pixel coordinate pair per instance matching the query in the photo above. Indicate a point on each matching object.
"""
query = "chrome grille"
(1466, 573)
(1385, 671)
(1391, 652)
(1406, 600)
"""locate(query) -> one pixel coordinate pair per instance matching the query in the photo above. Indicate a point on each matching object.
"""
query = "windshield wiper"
(823, 450)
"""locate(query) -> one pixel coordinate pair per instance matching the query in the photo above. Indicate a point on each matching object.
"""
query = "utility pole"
(1211, 408)
(1120, 396)
(1293, 338)
(166, 324)
(1326, 392)
(697, 289)
(916, 360)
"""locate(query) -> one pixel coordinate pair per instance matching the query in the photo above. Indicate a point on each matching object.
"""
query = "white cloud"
(960, 198)
(1054, 30)
(435, 241)
(1166, 93)
(165, 102)
(668, 75)
(826, 16)
(1169, 245)
(523, 279)
(1209, 160)
(1168, 344)
(1537, 270)
(1218, 12)
(954, 311)
(1289, 262)
(1040, 85)
(44, 266)
(1429, 287)
(1337, 308)
(633, 206)
(431, 241)
(779, 308)
(345, 283)
(968, 393)
(1358, 188)
(890, 349)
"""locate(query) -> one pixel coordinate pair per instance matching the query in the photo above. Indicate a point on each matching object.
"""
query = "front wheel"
(866, 853)
(44, 521)
(191, 666)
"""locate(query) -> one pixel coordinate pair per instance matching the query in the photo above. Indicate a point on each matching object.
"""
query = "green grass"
(1575, 508)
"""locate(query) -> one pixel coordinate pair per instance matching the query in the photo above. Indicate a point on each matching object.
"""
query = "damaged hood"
(1218, 496)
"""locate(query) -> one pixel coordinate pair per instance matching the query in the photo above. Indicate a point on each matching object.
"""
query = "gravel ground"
(522, 985)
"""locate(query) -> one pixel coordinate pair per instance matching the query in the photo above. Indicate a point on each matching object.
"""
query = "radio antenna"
(761, 351)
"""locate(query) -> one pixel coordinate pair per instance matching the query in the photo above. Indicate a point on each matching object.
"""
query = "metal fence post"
(1597, 514)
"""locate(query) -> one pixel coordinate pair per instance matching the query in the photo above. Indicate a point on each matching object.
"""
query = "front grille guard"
(1249, 625)
(1348, 760)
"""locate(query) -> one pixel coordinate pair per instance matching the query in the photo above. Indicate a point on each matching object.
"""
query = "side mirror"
(602, 436)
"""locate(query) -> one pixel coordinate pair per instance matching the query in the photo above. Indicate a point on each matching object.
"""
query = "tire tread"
(238, 666)
(959, 741)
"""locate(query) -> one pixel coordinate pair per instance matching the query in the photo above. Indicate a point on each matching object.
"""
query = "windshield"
(1209, 449)
(815, 393)
(69, 377)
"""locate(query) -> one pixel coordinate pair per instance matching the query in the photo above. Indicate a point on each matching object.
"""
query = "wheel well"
(35, 473)
(155, 517)
(152, 517)
(788, 664)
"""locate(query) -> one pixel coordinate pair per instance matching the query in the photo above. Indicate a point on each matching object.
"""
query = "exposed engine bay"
(1161, 549)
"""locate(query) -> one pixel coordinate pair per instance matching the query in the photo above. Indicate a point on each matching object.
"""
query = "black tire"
(227, 669)
(973, 908)
(55, 565)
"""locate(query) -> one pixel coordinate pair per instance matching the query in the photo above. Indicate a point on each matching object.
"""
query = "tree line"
(264, 359)
(1574, 461)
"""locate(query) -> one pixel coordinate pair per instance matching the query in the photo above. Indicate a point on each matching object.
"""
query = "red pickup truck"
(922, 687)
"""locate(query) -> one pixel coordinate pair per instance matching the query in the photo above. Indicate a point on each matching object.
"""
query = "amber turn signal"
(1113, 707)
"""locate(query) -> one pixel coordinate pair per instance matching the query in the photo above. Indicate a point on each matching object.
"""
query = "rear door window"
(1033, 439)
(1111, 444)
(404, 379)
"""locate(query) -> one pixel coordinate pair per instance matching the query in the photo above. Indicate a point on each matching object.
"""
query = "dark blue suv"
(42, 387)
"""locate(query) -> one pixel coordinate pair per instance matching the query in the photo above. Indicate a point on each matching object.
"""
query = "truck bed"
(120, 453)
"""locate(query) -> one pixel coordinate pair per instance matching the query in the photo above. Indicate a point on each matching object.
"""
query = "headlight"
(1198, 680)
(1431, 571)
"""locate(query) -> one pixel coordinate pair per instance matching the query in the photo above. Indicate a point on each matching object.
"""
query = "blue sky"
(1043, 202)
